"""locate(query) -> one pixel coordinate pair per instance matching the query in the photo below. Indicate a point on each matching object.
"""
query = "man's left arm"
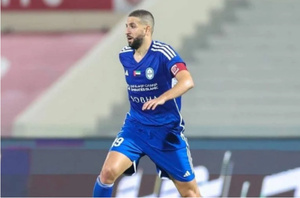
(184, 83)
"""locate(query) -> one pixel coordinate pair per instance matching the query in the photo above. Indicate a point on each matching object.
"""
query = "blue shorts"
(166, 146)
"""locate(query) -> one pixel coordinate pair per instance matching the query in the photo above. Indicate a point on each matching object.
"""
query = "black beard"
(137, 42)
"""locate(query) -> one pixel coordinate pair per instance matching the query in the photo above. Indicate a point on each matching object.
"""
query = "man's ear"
(148, 29)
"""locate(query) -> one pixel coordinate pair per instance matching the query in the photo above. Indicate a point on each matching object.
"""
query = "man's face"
(135, 32)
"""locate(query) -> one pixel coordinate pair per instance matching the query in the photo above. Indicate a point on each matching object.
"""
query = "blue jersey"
(150, 78)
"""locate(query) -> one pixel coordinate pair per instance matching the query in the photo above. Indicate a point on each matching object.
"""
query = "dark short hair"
(145, 16)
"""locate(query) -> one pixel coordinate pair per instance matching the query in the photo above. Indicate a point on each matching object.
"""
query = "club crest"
(149, 73)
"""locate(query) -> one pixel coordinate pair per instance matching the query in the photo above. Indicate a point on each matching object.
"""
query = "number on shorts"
(118, 141)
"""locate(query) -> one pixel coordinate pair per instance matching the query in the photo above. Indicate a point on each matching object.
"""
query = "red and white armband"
(177, 68)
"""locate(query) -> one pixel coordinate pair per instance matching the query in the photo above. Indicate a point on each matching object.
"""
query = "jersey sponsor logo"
(149, 73)
(142, 99)
(143, 87)
(126, 72)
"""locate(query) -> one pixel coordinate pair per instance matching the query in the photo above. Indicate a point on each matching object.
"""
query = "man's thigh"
(126, 144)
(176, 164)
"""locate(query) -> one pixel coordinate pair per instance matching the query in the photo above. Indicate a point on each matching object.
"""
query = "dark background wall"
(68, 167)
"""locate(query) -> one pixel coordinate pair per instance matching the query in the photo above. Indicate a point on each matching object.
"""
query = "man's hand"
(152, 104)
(185, 82)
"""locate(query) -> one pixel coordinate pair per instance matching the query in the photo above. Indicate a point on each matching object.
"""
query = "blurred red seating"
(35, 62)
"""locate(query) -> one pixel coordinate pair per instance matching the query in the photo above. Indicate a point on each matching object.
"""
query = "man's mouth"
(129, 38)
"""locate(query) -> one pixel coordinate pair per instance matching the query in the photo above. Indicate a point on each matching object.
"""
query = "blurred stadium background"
(63, 94)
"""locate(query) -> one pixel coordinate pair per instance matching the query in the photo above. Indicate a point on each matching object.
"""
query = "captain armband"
(177, 68)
